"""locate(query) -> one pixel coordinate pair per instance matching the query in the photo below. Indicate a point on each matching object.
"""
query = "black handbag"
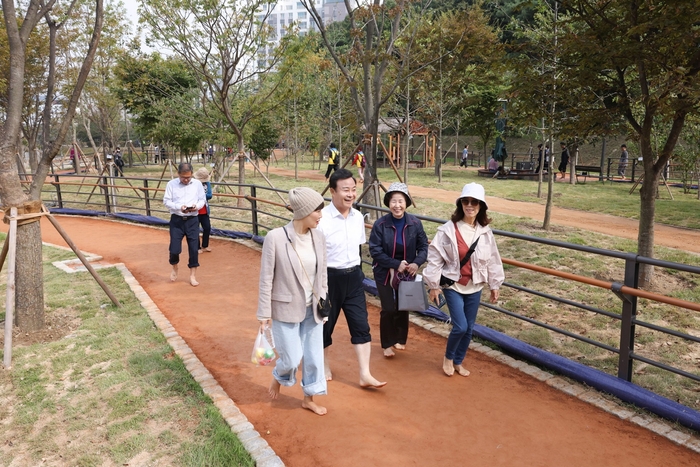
(324, 307)
(446, 281)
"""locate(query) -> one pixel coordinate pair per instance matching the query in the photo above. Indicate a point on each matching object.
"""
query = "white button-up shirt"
(177, 195)
(343, 236)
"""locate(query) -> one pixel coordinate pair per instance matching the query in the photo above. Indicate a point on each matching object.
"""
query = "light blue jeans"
(463, 309)
(297, 341)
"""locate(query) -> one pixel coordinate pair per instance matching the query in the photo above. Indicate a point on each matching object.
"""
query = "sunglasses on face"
(470, 201)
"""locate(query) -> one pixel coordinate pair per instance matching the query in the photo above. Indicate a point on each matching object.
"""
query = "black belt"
(185, 217)
(344, 271)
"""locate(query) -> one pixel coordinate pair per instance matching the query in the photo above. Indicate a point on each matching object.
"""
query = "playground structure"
(395, 130)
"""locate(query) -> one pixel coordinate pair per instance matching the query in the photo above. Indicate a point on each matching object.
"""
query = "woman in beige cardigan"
(292, 279)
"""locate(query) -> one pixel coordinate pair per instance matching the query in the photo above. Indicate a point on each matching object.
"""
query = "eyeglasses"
(470, 201)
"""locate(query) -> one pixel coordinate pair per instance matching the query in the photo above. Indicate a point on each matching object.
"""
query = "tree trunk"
(29, 289)
(645, 240)
(241, 172)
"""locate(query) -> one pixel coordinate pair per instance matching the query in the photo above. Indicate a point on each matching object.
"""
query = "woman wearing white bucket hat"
(461, 275)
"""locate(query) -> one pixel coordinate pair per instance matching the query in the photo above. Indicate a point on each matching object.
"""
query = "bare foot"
(400, 346)
(173, 274)
(388, 353)
(200, 251)
(309, 404)
(448, 366)
(207, 249)
(369, 382)
(327, 370)
(461, 370)
(193, 281)
(274, 389)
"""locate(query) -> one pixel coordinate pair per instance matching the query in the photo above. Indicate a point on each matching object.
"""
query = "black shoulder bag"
(446, 281)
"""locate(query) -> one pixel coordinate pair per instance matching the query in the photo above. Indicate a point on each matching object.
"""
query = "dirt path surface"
(673, 237)
(496, 417)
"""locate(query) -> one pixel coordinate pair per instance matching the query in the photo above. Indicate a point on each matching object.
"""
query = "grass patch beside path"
(110, 391)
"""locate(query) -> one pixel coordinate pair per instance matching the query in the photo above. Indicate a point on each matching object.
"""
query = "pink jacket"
(443, 258)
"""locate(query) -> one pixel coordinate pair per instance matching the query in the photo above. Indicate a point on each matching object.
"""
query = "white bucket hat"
(473, 190)
(397, 187)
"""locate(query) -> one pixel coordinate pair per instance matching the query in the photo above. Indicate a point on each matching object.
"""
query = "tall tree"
(218, 41)
(376, 31)
(29, 294)
(638, 62)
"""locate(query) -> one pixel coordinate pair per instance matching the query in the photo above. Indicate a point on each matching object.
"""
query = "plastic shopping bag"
(264, 348)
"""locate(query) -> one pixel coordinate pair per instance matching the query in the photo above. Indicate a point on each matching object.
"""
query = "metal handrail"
(627, 291)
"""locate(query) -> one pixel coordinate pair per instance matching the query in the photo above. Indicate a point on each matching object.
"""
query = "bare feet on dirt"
(448, 367)
(327, 366)
(388, 353)
(370, 382)
(274, 389)
(462, 371)
(400, 346)
(173, 274)
(193, 281)
(309, 404)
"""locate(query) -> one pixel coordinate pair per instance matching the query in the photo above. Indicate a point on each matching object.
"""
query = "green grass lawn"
(111, 391)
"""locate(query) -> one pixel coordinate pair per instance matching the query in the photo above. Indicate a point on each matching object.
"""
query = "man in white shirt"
(184, 196)
(344, 229)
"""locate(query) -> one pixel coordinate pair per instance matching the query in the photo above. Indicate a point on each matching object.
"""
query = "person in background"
(344, 229)
(184, 197)
(292, 279)
(565, 156)
(203, 214)
(624, 159)
(119, 161)
(461, 280)
(540, 152)
(465, 155)
(360, 162)
(399, 246)
(333, 160)
(493, 164)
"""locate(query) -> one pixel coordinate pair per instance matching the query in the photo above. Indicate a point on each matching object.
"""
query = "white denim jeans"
(295, 342)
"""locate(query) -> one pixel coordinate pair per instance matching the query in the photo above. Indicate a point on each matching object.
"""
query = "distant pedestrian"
(465, 155)
(624, 159)
(119, 161)
(184, 197)
(333, 156)
(564, 161)
(360, 162)
(540, 153)
(203, 214)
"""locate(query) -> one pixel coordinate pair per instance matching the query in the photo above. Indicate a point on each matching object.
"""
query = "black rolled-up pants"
(345, 292)
(184, 227)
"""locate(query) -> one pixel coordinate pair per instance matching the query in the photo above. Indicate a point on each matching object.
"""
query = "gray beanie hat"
(397, 187)
(304, 201)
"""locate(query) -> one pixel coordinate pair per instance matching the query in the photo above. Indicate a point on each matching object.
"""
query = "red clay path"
(496, 417)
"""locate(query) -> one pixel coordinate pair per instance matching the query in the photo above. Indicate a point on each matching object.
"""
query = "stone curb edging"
(574, 389)
(257, 447)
